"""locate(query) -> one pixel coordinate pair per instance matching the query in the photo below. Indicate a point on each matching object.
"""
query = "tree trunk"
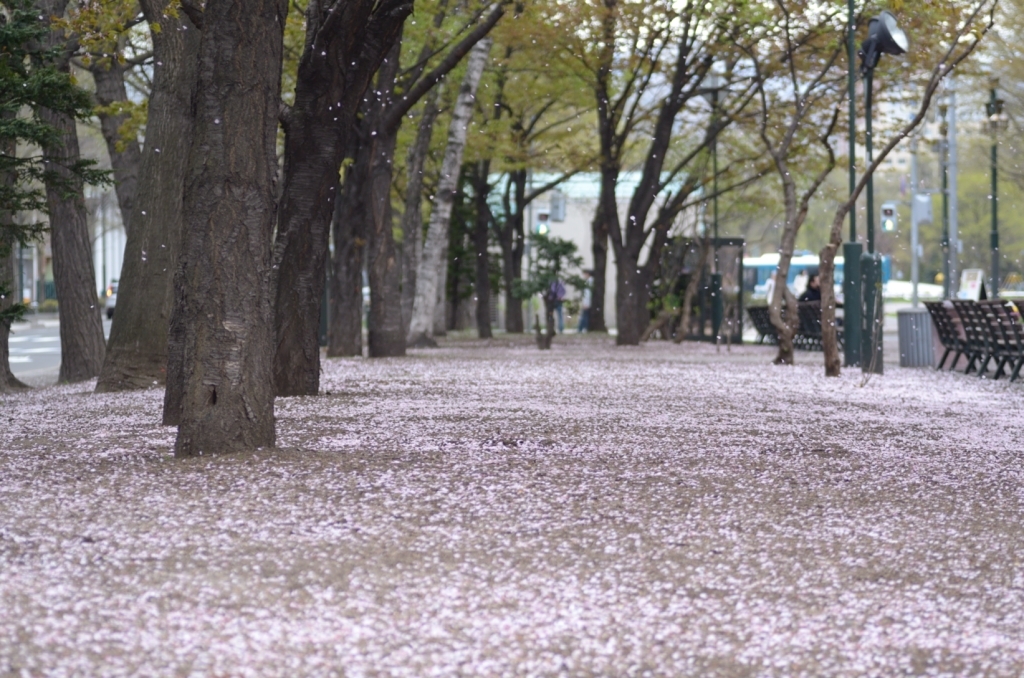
(599, 248)
(787, 327)
(125, 155)
(138, 353)
(829, 338)
(440, 328)
(412, 216)
(8, 278)
(345, 330)
(337, 64)
(385, 337)
(512, 239)
(230, 210)
(421, 325)
(481, 240)
(631, 305)
(82, 345)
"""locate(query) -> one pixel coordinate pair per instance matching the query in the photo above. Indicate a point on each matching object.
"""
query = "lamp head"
(884, 37)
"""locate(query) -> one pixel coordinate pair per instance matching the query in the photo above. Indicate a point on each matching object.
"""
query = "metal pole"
(915, 264)
(852, 250)
(868, 80)
(21, 274)
(851, 93)
(994, 235)
(717, 304)
(954, 230)
(947, 287)
(871, 279)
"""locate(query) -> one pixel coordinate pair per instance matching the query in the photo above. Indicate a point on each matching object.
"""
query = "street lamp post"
(884, 37)
(947, 281)
(716, 83)
(852, 250)
(997, 122)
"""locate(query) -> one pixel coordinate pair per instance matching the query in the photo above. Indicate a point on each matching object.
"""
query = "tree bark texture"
(599, 249)
(125, 154)
(230, 212)
(384, 321)
(345, 328)
(8, 275)
(481, 231)
(82, 344)
(137, 353)
(421, 325)
(412, 216)
(345, 42)
(8, 271)
(512, 240)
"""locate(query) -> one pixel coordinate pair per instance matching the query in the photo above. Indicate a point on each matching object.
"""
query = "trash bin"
(915, 330)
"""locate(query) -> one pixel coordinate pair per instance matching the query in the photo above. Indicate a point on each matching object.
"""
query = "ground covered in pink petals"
(665, 510)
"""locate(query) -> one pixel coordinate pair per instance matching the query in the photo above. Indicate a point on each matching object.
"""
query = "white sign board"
(972, 284)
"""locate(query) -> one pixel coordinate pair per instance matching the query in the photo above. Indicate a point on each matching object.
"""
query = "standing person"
(557, 293)
(585, 303)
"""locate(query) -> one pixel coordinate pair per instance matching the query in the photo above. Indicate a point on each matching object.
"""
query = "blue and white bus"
(756, 270)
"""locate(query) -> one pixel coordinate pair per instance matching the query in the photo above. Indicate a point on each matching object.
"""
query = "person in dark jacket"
(813, 291)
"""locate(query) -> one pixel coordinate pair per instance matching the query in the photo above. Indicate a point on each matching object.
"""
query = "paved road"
(35, 348)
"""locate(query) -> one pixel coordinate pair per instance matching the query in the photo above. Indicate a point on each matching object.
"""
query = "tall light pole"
(716, 83)
(884, 37)
(852, 250)
(997, 122)
(947, 283)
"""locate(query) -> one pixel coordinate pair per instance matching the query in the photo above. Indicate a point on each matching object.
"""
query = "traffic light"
(888, 217)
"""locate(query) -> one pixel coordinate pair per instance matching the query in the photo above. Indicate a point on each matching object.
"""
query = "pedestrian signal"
(888, 217)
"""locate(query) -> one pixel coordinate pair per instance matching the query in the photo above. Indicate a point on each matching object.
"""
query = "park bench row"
(983, 332)
(808, 336)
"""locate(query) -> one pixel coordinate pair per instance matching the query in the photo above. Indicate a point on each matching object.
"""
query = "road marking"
(19, 359)
(26, 351)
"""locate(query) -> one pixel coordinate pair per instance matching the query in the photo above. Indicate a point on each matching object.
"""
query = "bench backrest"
(974, 323)
(945, 325)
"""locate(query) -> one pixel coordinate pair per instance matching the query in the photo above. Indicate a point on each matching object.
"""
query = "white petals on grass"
(585, 511)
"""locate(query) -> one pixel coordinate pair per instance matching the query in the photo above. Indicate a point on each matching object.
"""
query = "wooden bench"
(766, 332)
(808, 335)
(983, 332)
(947, 324)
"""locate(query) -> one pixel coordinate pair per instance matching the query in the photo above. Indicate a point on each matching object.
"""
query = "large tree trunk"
(512, 240)
(125, 155)
(137, 354)
(230, 210)
(336, 66)
(345, 329)
(8, 270)
(8, 279)
(631, 304)
(82, 345)
(481, 191)
(412, 216)
(599, 248)
(385, 337)
(421, 326)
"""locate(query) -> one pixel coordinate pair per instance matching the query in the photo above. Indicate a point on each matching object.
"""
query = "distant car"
(111, 298)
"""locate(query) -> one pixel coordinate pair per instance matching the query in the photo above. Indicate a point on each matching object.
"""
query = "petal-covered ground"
(666, 510)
